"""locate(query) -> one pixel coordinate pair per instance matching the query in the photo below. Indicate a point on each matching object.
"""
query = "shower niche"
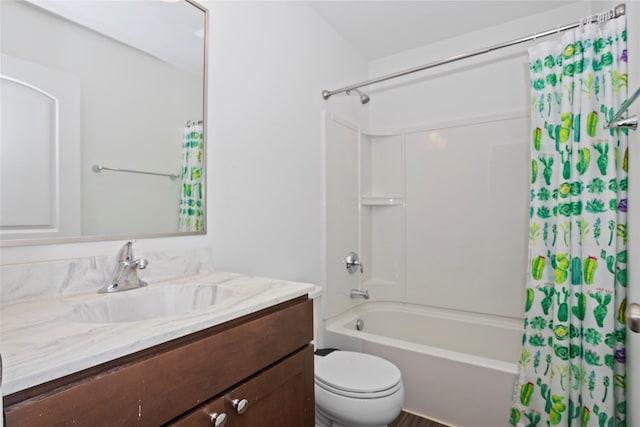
(382, 204)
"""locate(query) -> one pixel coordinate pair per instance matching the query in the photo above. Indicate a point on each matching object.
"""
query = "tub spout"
(357, 293)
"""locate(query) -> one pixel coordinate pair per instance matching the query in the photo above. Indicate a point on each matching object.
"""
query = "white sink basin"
(146, 303)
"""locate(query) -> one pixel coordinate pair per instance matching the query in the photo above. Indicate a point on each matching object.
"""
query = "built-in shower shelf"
(381, 200)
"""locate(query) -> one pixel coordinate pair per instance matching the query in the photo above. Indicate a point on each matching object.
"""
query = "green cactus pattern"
(548, 169)
(592, 123)
(537, 137)
(560, 264)
(572, 365)
(584, 158)
(603, 158)
(191, 198)
(589, 266)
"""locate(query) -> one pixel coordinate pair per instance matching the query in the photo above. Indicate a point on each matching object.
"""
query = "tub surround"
(40, 344)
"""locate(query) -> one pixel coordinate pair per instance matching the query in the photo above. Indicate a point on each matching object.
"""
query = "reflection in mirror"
(101, 102)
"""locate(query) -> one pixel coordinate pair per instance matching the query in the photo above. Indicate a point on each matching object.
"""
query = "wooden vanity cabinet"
(274, 397)
(264, 357)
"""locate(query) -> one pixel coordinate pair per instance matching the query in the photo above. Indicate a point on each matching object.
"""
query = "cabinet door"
(280, 396)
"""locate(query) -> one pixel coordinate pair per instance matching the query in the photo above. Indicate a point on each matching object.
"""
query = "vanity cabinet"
(264, 357)
(271, 398)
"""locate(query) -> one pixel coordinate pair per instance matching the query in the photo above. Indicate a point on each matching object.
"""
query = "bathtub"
(458, 368)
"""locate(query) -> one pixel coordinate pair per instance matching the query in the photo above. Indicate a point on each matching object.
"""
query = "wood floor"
(409, 420)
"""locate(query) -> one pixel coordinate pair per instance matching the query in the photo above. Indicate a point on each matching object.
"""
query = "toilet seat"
(357, 375)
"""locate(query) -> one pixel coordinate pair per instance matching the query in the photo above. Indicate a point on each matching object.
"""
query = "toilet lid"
(356, 372)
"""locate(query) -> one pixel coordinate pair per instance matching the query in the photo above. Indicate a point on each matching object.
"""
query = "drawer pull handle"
(218, 420)
(240, 405)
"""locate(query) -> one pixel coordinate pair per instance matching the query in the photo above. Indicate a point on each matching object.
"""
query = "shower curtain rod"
(616, 12)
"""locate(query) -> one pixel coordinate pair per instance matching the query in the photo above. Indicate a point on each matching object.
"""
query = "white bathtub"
(458, 368)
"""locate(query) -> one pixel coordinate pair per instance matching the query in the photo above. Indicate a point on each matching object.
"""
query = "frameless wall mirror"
(102, 109)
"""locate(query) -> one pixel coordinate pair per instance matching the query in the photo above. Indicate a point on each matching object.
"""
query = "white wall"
(492, 83)
(268, 64)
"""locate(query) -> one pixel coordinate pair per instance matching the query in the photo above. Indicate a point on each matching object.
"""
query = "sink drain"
(359, 324)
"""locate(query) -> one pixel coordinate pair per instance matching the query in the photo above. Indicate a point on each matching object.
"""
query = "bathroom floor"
(409, 420)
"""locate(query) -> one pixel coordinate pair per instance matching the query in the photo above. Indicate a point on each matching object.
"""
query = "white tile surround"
(40, 343)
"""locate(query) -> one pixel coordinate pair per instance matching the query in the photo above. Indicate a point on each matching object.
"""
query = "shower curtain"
(190, 217)
(572, 365)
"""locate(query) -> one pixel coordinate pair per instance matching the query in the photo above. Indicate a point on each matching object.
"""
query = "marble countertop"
(40, 340)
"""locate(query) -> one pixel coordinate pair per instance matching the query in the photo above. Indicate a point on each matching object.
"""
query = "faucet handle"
(126, 252)
(352, 262)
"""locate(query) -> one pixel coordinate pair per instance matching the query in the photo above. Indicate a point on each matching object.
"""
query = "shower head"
(364, 98)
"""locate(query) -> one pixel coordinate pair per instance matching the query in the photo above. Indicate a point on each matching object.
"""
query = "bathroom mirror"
(102, 134)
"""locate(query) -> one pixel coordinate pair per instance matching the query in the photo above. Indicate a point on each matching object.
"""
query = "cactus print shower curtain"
(572, 366)
(190, 217)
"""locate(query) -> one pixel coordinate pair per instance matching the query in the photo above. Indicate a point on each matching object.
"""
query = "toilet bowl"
(356, 390)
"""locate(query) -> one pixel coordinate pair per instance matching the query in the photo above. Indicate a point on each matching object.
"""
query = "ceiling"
(381, 28)
(173, 31)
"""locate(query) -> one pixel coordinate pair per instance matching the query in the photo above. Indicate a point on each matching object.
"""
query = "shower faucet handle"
(633, 317)
(353, 262)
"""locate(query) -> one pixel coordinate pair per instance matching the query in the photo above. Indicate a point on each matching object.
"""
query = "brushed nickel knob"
(218, 420)
(352, 262)
(633, 317)
(240, 405)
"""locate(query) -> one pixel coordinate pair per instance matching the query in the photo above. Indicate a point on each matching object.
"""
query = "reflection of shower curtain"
(572, 367)
(191, 208)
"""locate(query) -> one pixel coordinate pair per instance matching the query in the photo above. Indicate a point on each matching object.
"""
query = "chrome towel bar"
(100, 168)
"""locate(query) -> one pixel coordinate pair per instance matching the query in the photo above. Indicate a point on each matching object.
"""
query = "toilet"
(356, 390)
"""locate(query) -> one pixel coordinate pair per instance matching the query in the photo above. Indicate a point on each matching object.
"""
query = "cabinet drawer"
(170, 379)
(201, 416)
(282, 396)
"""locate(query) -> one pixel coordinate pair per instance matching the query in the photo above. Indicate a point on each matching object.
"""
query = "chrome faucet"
(357, 293)
(125, 273)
